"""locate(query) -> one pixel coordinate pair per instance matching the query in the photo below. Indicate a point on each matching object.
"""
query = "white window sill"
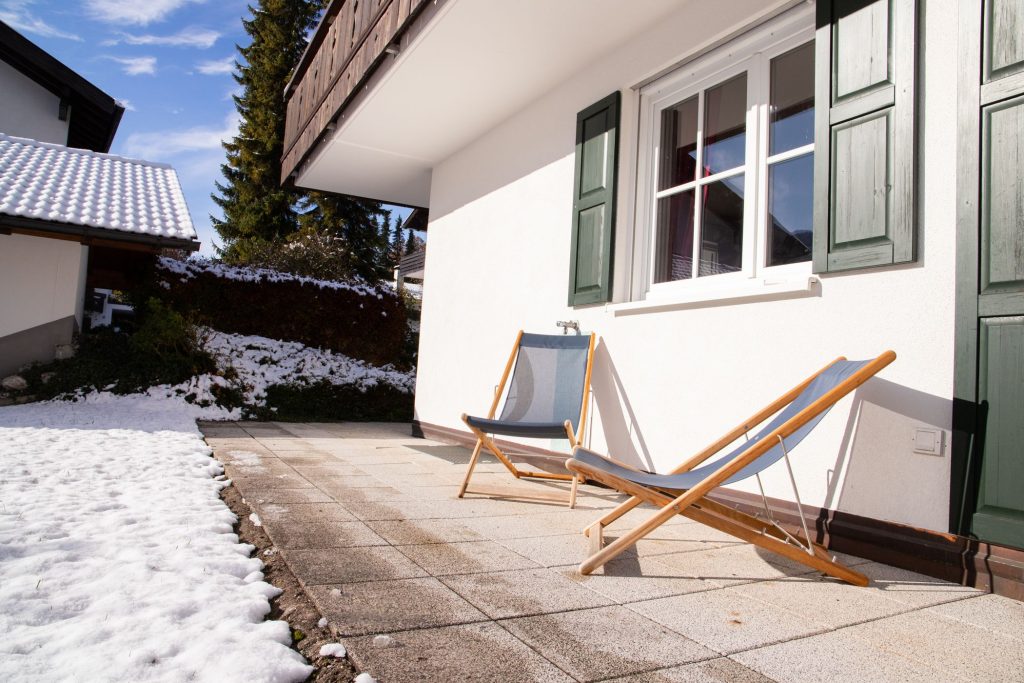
(771, 289)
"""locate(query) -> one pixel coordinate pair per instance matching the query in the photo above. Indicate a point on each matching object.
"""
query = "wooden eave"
(92, 235)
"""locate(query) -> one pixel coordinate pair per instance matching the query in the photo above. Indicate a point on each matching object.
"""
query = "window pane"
(790, 204)
(792, 99)
(725, 125)
(674, 255)
(678, 144)
(721, 248)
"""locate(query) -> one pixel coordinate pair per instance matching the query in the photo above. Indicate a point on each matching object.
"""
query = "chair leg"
(572, 492)
(472, 464)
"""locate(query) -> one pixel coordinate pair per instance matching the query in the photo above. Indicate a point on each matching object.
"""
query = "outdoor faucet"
(567, 325)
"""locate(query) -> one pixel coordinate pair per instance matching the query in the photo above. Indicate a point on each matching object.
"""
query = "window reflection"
(790, 207)
(674, 255)
(725, 125)
(678, 144)
(721, 249)
(791, 99)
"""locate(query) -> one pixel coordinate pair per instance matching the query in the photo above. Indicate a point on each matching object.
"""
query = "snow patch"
(333, 650)
(118, 559)
(254, 518)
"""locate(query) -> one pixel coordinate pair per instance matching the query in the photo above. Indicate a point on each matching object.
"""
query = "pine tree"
(397, 244)
(358, 223)
(256, 208)
(412, 243)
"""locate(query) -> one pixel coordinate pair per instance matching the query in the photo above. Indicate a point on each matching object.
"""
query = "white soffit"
(476, 64)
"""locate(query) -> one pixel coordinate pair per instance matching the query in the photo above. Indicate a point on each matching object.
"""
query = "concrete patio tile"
(955, 647)
(402, 469)
(470, 652)
(416, 480)
(370, 494)
(304, 459)
(523, 592)
(836, 656)
(408, 508)
(732, 564)
(915, 590)
(446, 492)
(350, 565)
(286, 496)
(607, 641)
(502, 527)
(271, 481)
(829, 602)
(298, 513)
(411, 532)
(550, 551)
(726, 620)
(721, 670)
(629, 578)
(279, 444)
(292, 535)
(227, 450)
(348, 481)
(442, 559)
(356, 609)
(327, 468)
(991, 612)
(266, 467)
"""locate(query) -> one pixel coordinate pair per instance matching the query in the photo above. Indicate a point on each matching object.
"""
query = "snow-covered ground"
(117, 559)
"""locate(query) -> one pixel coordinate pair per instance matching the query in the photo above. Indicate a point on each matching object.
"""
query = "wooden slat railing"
(347, 46)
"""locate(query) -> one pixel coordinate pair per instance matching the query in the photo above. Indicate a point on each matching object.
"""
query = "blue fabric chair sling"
(684, 490)
(546, 399)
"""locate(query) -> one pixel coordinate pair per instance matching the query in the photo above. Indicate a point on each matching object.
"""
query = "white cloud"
(133, 11)
(161, 145)
(128, 106)
(202, 38)
(216, 67)
(136, 66)
(17, 15)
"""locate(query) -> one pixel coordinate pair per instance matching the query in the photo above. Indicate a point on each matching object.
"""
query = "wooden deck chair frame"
(694, 504)
(485, 441)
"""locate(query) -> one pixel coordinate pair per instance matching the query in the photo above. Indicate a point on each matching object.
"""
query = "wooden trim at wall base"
(963, 560)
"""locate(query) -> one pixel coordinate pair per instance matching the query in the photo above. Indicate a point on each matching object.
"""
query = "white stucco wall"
(28, 110)
(667, 383)
(41, 280)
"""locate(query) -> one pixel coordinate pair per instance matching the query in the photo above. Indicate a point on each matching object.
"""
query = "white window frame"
(751, 53)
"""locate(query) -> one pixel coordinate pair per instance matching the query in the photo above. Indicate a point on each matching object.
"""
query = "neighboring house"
(733, 194)
(71, 217)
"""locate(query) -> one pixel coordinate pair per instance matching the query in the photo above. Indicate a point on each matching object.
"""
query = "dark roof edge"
(10, 223)
(50, 73)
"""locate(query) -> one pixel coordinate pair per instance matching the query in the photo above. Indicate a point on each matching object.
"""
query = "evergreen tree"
(397, 244)
(358, 223)
(412, 243)
(256, 208)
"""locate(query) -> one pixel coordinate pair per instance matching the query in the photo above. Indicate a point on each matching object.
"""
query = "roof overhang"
(95, 115)
(470, 66)
(91, 235)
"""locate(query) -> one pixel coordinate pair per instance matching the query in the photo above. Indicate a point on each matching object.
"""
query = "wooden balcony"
(353, 40)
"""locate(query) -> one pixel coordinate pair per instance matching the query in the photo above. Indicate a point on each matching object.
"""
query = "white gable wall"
(667, 383)
(29, 110)
(41, 280)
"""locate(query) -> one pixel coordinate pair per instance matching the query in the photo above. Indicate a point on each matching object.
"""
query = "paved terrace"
(486, 590)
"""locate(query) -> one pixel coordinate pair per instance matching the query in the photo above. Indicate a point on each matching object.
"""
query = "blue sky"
(168, 61)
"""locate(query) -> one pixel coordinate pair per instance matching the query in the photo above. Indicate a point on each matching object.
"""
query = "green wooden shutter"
(864, 213)
(593, 202)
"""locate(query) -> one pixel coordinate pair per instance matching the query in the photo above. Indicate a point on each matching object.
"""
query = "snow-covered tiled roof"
(58, 184)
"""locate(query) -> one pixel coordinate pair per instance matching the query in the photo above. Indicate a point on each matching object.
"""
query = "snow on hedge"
(117, 557)
(261, 362)
(198, 266)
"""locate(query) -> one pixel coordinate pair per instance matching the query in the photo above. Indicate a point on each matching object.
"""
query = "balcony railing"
(349, 44)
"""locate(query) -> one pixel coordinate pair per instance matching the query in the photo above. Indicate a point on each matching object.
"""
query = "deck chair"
(547, 398)
(684, 491)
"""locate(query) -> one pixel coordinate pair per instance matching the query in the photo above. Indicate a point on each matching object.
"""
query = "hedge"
(354, 318)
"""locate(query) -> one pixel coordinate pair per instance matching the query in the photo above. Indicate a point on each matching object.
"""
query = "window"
(725, 182)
